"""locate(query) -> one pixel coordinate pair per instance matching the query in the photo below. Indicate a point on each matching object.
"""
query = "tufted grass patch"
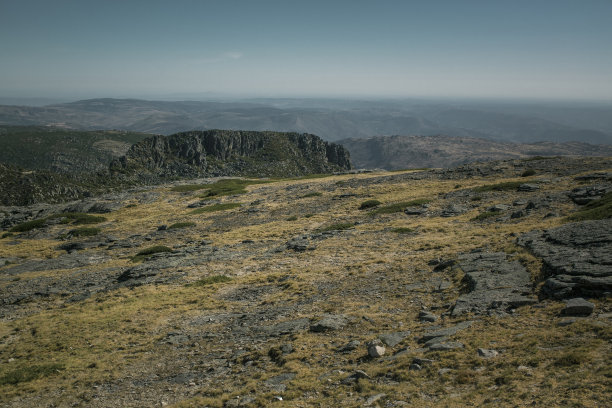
(399, 207)
(84, 232)
(179, 225)
(29, 373)
(210, 280)
(505, 186)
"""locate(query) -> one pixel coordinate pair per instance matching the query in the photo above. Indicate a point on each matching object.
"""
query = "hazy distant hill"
(330, 119)
(63, 150)
(401, 152)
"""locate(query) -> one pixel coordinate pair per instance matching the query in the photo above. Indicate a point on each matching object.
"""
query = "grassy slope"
(117, 335)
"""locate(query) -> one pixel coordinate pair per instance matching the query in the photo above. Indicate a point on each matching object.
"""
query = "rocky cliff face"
(231, 153)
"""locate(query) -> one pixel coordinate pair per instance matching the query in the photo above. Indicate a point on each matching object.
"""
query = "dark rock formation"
(494, 284)
(231, 153)
(577, 258)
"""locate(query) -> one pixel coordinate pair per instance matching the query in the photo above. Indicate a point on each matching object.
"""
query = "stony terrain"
(403, 152)
(484, 285)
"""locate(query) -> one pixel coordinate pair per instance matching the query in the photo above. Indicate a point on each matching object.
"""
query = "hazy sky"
(436, 48)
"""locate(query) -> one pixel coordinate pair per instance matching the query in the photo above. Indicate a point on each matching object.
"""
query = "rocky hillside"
(488, 284)
(403, 152)
(231, 153)
(63, 151)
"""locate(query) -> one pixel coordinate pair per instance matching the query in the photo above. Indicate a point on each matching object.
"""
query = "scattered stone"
(528, 187)
(415, 367)
(328, 323)
(577, 307)
(487, 353)
(276, 383)
(443, 264)
(425, 316)
(443, 371)
(445, 332)
(375, 348)
(584, 195)
(499, 208)
(449, 345)
(300, 244)
(415, 211)
(566, 321)
(422, 361)
(393, 339)
(358, 374)
(517, 214)
(374, 398)
(453, 210)
(350, 346)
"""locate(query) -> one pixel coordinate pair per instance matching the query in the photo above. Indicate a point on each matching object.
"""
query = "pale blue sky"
(557, 49)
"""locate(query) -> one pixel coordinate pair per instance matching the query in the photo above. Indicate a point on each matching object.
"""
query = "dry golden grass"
(116, 337)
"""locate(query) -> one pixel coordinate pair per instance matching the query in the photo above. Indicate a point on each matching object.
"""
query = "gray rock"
(286, 327)
(577, 307)
(357, 375)
(415, 367)
(444, 346)
(584, 195)
(528, 187)
(329, 323)
(576, 257)
(350, 346)
(494, 284)
(445, 332)
(393, 339)
(425, 316)
(374, 398)
(375, 348)
(453, 210)
(487, 353)
(422, 361)
(415, 211)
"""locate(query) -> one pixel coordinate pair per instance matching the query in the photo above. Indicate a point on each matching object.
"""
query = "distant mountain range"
(402, 152)
(330, 119)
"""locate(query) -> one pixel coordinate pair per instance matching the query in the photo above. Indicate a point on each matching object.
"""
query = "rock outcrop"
(577, 258)
(231, 153)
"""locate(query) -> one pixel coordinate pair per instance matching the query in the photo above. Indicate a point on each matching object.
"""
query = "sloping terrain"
(403, 152)
(382, 289)
(62, 150)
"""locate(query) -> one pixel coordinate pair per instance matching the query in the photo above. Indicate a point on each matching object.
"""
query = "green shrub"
(402, 230)
(216, 207)
(369, 204)
(313, 194)
(292, 218)
(84, 232)
(178, 225)
(229, 187)
(400, 207)
(78, 218)
(595, 210)
(29, 225)
(153, 250)
(337, 227)
(528, 172)
(188, 188)
(212, 280)
(485, 215)
(25, 374)
(506, 186)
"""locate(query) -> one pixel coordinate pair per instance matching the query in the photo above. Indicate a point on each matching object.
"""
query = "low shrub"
(337, 227)
(369, 204)
(186, 188)
(292, 218)
(29, 225)
(400, 207)
(528, 172)
(313, 194)
(595, 210)
(506, 186)
(29, 373)
(179, 225)
(84, 232)
(78, 218)
(485, 215)
(402, 230)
